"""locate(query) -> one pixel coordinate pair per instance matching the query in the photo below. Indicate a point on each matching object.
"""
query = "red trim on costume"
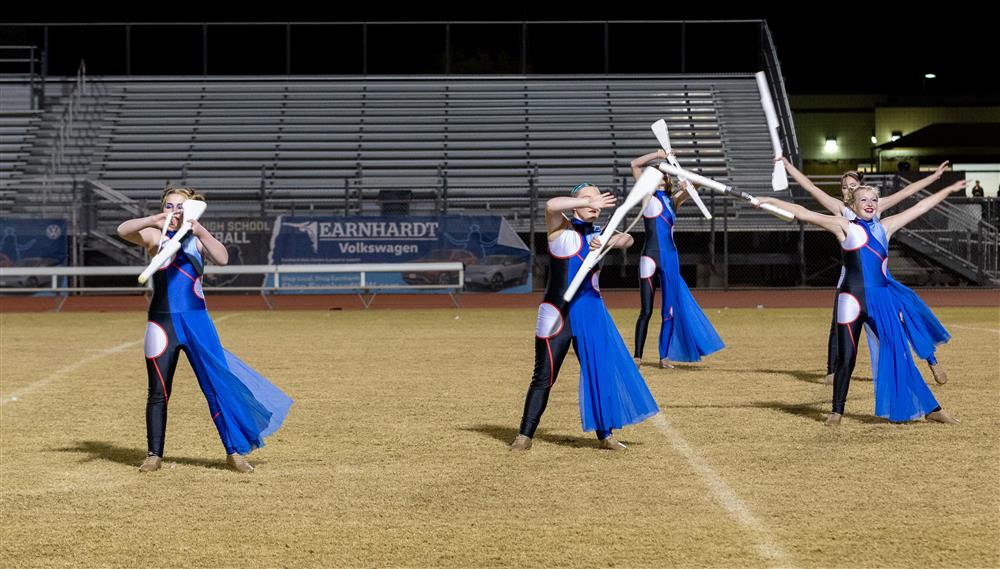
(552, 364)
(183, 271)
(874, 251)
(217, 413)
(850, 334)
(166, 398)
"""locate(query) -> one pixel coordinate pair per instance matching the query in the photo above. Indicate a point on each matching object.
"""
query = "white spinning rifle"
(779, 178)
(192, 211)
(663, 136)
(720, 187)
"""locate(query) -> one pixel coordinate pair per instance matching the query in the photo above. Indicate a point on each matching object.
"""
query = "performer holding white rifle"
(685, 332)
(244, 406)
(612, 392)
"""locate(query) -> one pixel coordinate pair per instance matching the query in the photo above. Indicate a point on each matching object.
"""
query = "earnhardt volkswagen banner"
(495, 258)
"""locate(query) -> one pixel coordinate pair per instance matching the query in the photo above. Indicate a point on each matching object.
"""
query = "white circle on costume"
(198, 291)
(843, 273)
(848, 308)
(885, 267)
(595, 281)
(856, 238)
(550, 321)
(647, 267)
(155, 342)
(653, 209)
(568, 243)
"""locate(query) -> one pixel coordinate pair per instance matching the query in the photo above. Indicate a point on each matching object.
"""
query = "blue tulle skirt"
(924, 330)
(612, 391)
(686, 335)
(900, 392)
(250, 407)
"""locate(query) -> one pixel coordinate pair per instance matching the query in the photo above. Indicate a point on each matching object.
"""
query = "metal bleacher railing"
(65, 280)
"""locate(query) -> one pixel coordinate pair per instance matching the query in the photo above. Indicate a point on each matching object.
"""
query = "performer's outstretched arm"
(835, 224)
(894, 223)
(830, 203)
(891, 201)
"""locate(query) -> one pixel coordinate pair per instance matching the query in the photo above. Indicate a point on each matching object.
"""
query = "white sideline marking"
(32, 387)
(767, 546)
(994, 330)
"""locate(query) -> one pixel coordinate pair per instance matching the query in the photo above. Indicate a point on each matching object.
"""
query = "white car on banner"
(495, 271)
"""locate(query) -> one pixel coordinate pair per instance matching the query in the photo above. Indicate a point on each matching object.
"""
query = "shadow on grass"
(800, 375)
(812, 412)
(98, 450)
(806, 376)
(506, 434)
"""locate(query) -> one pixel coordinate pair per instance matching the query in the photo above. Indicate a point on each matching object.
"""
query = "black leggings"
(647, 295)
(163, 349)
(549, 356)
(847, 336)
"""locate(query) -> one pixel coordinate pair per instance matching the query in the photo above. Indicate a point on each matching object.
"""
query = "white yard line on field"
(61, 372)
(765, 542)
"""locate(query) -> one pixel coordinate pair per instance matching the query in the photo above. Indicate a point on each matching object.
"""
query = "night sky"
(823, 48)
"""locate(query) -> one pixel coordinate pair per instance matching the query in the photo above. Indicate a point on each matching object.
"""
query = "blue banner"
(495, 258)
(26, 243)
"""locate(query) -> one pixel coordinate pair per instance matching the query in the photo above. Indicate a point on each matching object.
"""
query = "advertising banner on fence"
(247, 241)
(495, 258)
(26, 243)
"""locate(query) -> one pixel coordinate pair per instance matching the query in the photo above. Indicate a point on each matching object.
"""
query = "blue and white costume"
(686, 333)
(923, 330)
(864, 298)
(244, 406)
(612, 391)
